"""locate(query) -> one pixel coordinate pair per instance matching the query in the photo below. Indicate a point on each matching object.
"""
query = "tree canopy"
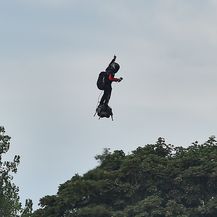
(157, 180)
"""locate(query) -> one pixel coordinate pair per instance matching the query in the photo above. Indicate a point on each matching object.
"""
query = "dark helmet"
(114, 67)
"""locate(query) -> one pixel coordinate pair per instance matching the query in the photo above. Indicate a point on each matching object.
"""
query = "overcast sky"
(51, 52)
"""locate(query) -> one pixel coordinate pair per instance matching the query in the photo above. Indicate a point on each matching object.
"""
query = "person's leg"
(106, 95)
(103, 98)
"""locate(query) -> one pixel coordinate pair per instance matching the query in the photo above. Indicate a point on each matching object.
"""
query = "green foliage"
(9, 199)
(10, 205)
(157, 180)
(27, 210)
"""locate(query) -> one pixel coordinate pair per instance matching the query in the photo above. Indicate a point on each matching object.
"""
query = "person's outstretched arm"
(112, 78)
(113, 60)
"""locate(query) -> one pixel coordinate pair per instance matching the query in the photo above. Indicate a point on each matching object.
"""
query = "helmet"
(114, 67)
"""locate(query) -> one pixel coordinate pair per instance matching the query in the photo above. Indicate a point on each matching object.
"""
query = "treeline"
(157, 180)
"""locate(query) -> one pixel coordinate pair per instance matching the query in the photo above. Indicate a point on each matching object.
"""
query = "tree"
(157, 180)
(9, 198)
(27, 210)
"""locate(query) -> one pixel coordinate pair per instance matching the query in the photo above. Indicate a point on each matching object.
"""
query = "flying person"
(104, 83)
(109, 77)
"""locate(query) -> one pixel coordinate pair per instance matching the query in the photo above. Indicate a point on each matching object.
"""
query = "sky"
(51, 52)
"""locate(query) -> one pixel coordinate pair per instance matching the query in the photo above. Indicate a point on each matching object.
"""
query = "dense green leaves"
(157, 180)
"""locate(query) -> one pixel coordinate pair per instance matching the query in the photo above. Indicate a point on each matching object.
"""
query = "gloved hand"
(120, 79)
